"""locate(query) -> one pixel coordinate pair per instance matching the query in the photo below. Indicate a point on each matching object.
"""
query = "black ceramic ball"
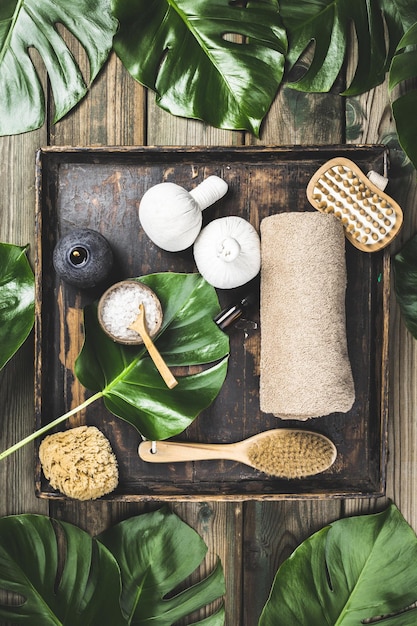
(83, 258)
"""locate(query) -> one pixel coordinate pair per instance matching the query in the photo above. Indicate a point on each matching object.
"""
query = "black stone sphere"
(83, 258)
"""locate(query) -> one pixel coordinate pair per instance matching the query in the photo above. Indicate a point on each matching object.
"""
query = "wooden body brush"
(283, 452)
(370, 217)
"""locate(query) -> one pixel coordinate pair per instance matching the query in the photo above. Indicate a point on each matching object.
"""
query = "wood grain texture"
(91, 124)
(17, 205)
(370, 119)
(99, 189)
(254, 538)
(112, 113)
(220, 526)
(271, 533)
(294, 118)
(220, 523)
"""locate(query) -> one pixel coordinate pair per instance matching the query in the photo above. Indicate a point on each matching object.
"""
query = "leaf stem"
(47, 427)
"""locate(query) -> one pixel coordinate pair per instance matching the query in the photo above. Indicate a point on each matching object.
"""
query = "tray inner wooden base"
(101, 189)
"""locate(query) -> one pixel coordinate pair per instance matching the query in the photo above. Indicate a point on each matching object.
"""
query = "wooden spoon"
(288, 453)
(139, 326)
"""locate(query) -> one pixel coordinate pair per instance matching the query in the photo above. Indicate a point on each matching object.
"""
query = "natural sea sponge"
(79, 462)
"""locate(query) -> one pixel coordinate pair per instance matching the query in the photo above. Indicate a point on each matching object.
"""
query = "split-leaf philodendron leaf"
(403, 68)
(161, 551)
(213, 60)
(126, 377)
(17, 300)
(405, 283)
(26, 24)
(328, 23)
(122, 577)
(85, 591)
(351, 571)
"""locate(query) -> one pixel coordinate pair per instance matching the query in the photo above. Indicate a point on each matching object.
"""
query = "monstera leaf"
(404, 67)
(128, 380)
(328, 24)
(17, 300)
(64, 576)
(405, 282)
(85, 591)
(156, 552)
(185, 52)
(26, 24)
(351, 572)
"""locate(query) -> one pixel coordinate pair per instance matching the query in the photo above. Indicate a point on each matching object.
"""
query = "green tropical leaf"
(353, 570)
(17, 300)
(156, 552)
(56, 574)
(82, 587)
(328, 23)
(403, 68)
(127, 378)
(405, 283)
(26, 24)
(183, 50)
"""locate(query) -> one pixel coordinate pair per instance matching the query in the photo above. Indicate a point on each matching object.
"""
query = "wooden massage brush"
(371, 218)
(283, 452)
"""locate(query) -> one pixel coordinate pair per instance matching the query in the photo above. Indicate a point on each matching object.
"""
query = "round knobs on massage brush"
(371, 219)
(367, 216)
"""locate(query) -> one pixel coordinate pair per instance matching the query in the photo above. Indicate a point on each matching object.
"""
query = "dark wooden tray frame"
(100, 188)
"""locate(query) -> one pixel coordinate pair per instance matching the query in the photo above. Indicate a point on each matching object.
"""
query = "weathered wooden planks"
(251, 539)
(223, 530)
(17, 205)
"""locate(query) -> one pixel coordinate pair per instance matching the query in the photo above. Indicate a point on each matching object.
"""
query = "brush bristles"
(292, 454)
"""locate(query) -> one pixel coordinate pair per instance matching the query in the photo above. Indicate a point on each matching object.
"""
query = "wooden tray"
(100, 188)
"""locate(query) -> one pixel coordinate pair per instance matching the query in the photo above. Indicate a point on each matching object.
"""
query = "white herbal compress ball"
(227, 252)
(171, 216)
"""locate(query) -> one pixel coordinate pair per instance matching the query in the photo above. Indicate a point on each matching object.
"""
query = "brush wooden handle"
(174, 451)
(289, 453)
(162, 367)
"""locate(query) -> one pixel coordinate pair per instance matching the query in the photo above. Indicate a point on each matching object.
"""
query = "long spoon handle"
(172, 452)
(155, 355)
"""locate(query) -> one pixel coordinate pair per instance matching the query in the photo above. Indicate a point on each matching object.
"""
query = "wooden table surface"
(251, 538)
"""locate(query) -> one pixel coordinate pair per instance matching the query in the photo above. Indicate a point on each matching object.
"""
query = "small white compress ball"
(171, 216)
(227, 252)
(79, 463)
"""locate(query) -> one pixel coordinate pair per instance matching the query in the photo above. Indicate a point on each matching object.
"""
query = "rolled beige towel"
(304, 365)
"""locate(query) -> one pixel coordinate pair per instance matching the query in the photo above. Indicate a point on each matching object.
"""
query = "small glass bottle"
(232, 313)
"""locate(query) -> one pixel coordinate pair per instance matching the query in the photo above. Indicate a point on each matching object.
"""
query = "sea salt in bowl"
(118, 308)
